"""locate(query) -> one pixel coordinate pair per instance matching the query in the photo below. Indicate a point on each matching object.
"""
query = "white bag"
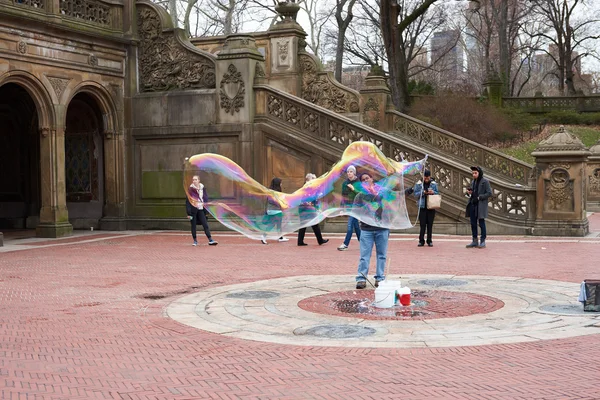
(434, 201)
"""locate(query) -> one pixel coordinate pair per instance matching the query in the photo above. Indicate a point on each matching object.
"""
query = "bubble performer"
(238, 201)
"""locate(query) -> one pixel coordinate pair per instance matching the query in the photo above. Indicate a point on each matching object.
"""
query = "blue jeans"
(352, 226)
(379, 238)
(474, 224)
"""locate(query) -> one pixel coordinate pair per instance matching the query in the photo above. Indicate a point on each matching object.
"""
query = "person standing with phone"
(479, 191)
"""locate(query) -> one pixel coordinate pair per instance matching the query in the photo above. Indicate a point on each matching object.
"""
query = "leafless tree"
(319, 15)
(569, 27)
(495, 27)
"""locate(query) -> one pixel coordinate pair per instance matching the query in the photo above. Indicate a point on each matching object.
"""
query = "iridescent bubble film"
(241, 203)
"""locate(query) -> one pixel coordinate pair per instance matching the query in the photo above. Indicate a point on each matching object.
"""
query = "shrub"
(466, 117)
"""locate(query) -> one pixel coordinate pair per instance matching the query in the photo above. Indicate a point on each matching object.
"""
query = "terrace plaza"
(145, 315)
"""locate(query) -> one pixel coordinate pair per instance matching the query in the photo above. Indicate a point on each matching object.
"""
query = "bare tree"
(495, 25)
(568, 26)
(342, 26)
(319, 14)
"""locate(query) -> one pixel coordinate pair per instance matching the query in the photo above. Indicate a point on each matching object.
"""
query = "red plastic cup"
(405, 299)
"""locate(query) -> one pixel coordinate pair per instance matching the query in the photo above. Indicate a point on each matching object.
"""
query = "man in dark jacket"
(195, 209)
(480, 191)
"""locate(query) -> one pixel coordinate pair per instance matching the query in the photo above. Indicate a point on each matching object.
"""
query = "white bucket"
(385, 296)
(392, 285)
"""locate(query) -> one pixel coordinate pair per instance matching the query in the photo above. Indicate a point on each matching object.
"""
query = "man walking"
(480, 191)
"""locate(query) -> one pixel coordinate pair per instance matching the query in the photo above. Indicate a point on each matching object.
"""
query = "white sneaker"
(284, 239)
(263, 241)
(343, 247)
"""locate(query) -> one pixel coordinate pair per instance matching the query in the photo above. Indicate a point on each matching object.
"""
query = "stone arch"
(110, 164)
(106, 103)
(40, 94)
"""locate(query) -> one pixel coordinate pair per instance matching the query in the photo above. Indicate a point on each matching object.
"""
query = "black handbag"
(468, 210)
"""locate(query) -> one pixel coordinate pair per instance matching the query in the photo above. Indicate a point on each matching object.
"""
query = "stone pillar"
(114, 187)
(286, 38)
(593, 178)
(235, 70)
(374, 96)
(492, 87)
(54, 217)
(560, 162)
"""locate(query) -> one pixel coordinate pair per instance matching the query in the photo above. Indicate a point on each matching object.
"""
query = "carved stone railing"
(166, 59)
(463, 150)
(510, 203)
(40, 4)
(546, 104)
(98, 13)
(93, 11)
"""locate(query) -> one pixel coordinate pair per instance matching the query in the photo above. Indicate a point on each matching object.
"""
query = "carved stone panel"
(58, 84)
(232, 90)
(559, 191)
(594, 183)
(371, 113)
(283, 53)
(164, 63)
(319, 89)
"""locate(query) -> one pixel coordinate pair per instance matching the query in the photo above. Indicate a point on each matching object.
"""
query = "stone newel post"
(560, 162)
(374, 96)
(285, 37)
(235, 69)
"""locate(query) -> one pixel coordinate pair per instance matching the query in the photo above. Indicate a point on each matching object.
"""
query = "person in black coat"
(308, 211)
(480, 191)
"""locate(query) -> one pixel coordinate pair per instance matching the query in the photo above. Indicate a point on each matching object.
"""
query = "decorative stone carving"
(371, 113)
(232, 90)
(559, 191)
(22, 47)
(44, 131)
(259, 71)
(93, 60)
(559, 165)
(87, 10)
(282, 51)
(561, 141)
(58, 84)
(594, 182)
(319, 88)
(164, 63)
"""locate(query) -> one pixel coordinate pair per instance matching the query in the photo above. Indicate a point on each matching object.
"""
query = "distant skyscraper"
(447, 53)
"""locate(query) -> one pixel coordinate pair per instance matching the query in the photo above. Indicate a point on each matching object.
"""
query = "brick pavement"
(86, 320)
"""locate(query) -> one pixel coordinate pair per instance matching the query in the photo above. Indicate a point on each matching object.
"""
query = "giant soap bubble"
(243, 204)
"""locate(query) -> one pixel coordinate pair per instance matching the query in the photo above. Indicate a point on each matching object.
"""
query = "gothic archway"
(19, 158)
(84, 165)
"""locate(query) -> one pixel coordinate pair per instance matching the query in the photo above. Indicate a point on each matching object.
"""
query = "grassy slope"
(588, 135)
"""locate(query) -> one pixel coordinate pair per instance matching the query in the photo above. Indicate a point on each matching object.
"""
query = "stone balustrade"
(512, 203)
(546, 104)
(97, 13)
(459, 148)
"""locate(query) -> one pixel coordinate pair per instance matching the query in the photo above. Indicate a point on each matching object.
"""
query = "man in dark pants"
(195, 209)
(480, 191)
(426, 216)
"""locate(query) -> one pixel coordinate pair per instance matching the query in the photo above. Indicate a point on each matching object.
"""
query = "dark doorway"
(84, 174)
(19, 159)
